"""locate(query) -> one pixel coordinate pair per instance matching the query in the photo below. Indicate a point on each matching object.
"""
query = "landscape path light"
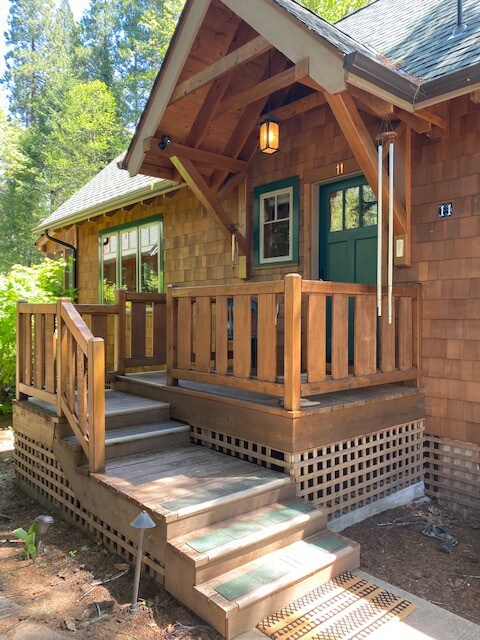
(142, 521)
(42, 525)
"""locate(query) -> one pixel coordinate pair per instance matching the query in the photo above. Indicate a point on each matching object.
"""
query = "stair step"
(221, 547)
(128, 410)
(237, 600)
(138, 439)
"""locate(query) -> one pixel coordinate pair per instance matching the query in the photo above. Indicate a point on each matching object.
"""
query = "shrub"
(40, 283)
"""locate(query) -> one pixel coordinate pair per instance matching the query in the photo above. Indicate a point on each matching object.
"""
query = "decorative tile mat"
(346, 607)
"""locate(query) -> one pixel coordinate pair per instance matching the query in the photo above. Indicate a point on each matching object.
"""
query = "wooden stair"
(235, 541)
(134, 425)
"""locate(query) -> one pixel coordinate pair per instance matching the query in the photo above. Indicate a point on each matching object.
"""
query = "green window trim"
(136, 224)
(288, 185)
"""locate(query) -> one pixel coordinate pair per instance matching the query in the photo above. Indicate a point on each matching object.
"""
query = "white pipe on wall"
(379, 229)
(390, 232)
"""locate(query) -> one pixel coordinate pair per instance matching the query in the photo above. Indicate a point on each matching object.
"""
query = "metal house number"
(445, 210)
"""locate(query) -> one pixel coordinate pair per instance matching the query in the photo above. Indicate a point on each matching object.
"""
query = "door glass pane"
(269, 209)
(149, 249)
(369, 207)
(276, 239)
(128, 240)
(283, 206)
(336, 211)
(352, 208)
(109, 284)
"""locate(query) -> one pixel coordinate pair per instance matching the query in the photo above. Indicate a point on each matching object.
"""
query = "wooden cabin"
(263, 275)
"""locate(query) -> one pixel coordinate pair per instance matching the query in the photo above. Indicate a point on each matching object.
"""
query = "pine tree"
(99, 28)
(29, 39)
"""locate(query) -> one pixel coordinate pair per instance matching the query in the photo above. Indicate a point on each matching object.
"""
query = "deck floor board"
(183, 476)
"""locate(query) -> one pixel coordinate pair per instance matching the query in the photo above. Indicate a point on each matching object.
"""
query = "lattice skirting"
(342, 476)
(452, 471)
(38, 470)
(243, 449)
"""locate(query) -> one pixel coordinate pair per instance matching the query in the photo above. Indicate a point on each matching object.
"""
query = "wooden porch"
(292, 348)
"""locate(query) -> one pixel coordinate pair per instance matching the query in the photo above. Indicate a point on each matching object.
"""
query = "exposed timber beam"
(216, 92)
(266, 88)
(197, 155)
(205, 195)
(230, 186)
(370, 103)
(298, 107)
(247, 52)
(158, 172)
(411, 120)
(433, 118)
(356, 133)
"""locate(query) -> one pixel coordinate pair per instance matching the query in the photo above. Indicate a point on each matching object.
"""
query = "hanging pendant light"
(269, 129)
(269, 134)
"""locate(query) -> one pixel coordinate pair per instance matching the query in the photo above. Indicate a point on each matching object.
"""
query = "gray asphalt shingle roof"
(110, 186)
(415, 34)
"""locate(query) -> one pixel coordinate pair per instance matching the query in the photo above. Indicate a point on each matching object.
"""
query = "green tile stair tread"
(287, 513)
(329, 543)
(263, 520)
(270, 572)
(209, 542)
(238, 587)
(241, 529)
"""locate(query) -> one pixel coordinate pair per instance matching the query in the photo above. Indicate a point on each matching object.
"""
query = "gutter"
(406, 88)
(74, 254)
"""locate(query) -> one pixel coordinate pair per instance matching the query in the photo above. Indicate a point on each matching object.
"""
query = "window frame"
(261, 193)
(134, 224)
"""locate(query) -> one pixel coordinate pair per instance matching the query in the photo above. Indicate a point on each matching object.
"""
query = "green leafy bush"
(40, 283)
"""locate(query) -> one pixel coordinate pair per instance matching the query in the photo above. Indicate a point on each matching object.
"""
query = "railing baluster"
(317, 337)
(184, 335)
(339, 336)
(221, 336)
(203, 332)
(242, 336)
(50, 353)
(387, 339)
(138, 330)
(365, 337)
(267, 337)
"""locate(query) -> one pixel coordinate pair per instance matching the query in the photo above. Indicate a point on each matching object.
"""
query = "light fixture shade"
(269, 134)
(143, 521)
(43, 524)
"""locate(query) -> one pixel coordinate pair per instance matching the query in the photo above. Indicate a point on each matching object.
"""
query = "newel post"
(96, 405)
(60, 355)
(293, 341)
(21, 352)
(171, 336)
(121, 332)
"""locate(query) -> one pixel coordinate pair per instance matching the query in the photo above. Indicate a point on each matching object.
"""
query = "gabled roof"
(108, 190)
(416, 35)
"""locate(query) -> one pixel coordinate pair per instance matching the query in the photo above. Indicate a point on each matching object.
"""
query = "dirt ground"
(62, 588)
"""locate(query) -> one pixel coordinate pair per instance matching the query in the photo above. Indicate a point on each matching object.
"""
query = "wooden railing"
(141, 334)
(61, 362)
(291, 338)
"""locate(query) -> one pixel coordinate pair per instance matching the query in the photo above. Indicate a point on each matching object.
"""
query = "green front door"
(348, 237)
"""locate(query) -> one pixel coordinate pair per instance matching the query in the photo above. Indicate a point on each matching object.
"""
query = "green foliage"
(30, 538)
(333, 10)
(40, 283)
(85, 136)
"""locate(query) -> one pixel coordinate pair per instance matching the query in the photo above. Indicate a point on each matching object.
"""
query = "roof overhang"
(109, 206)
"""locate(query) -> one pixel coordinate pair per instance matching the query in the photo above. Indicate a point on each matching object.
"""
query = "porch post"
(293, 341)
(171, 336)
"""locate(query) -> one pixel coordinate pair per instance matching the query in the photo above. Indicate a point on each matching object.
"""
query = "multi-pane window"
(131, 258)
(276, 222)
(352, 208)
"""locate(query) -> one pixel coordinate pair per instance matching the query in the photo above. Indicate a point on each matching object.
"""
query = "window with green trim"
(276, 208)
(131, 258)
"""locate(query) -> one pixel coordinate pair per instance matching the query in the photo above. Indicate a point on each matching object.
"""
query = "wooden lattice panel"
(243, 449)
(452, 471)
(37, 468)
(353, 473)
